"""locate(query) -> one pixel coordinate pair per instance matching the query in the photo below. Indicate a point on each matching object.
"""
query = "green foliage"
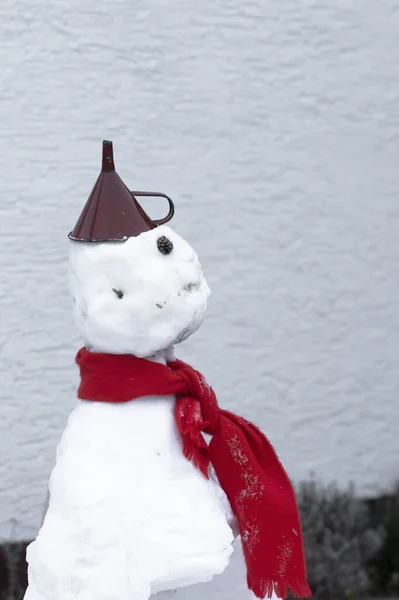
(384, 567)
(13, 571)
(339, 541)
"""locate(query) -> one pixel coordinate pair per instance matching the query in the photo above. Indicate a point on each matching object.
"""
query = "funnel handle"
(159, 195)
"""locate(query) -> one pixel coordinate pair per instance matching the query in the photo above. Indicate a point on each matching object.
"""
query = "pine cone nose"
(165, 246)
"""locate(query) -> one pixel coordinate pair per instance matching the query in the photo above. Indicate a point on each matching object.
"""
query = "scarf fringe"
(198, 456)
(265, 588)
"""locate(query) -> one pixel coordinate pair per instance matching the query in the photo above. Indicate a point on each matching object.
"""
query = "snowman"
(153, 481)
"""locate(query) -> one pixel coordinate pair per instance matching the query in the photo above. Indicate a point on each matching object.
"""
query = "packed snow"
(129, 515)
(164, 296)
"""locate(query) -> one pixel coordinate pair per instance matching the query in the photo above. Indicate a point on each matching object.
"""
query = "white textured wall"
(275, 127)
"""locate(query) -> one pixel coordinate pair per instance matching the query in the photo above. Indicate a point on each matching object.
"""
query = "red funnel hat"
(112, 213)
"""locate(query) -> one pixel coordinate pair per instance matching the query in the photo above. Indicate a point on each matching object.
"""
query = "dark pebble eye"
(165, 246)
(118, 293)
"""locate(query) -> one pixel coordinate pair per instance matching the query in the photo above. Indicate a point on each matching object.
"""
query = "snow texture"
(274, 127)
(164, 297)
(129, 515)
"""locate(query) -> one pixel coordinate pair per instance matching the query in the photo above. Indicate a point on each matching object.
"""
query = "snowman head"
(139, 296)
(137, 286)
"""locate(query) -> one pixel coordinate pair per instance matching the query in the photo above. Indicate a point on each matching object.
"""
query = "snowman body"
(129, 515)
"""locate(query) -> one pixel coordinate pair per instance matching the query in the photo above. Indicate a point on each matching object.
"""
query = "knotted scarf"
(248, 469)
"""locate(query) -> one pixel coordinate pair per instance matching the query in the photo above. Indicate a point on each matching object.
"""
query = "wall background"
(275, 128)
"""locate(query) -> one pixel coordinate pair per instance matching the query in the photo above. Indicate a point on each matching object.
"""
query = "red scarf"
(245, 463)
